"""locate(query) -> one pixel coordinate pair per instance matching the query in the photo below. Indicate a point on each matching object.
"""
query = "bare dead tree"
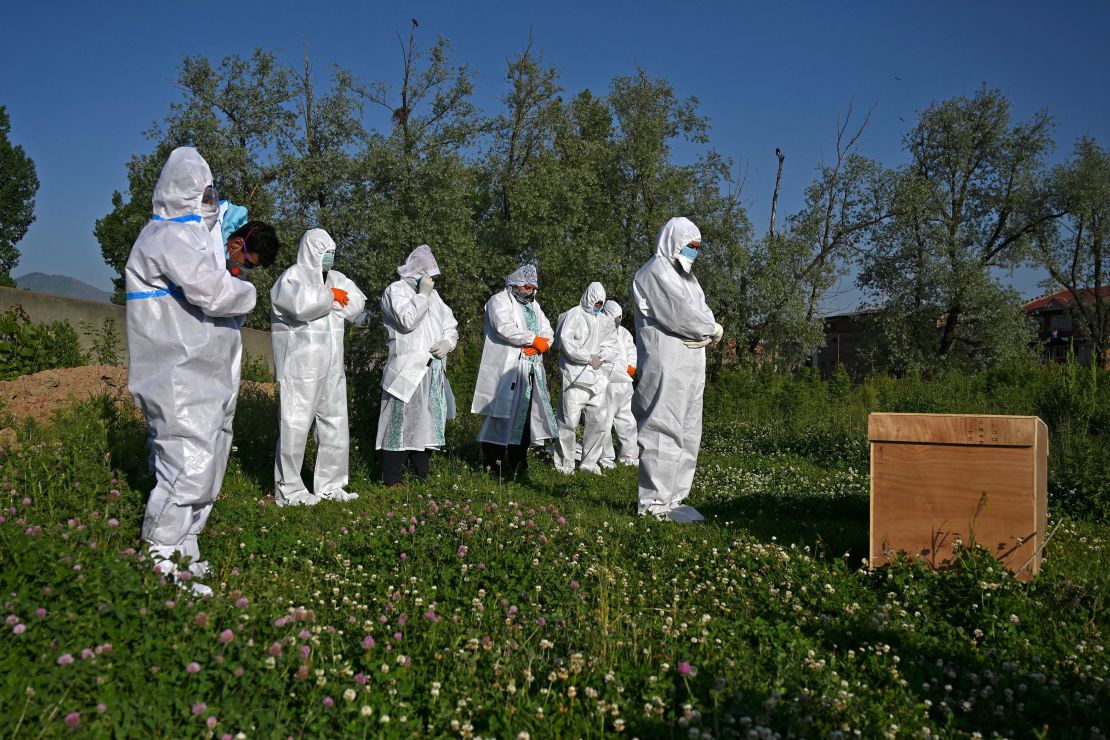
(778, 186)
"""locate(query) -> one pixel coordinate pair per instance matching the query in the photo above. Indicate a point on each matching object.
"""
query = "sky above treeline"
(83, 81)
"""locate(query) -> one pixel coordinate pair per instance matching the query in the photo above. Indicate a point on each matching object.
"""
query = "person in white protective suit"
(511, 391)
(673, 327)
(416, 398)
(310, 304)
(587, 343)
(184, 353)
(618, 397)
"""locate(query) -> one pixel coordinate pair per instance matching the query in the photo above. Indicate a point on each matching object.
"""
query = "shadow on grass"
(830, 526)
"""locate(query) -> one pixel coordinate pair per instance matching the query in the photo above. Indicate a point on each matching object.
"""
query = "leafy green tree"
(18, 185)
(415, 185)
(239, 115)
(967, 204)
(1076, 251)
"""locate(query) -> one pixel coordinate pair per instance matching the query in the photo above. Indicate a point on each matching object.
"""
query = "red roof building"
(1057, 328)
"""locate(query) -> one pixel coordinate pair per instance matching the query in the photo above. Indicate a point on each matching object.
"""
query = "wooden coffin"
(939, 478)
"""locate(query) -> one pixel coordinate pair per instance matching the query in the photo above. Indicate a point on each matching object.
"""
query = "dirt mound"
(38, 396)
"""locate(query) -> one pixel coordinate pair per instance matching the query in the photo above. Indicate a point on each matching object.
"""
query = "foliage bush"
(826, 420)
(105, 342)
(29, 348)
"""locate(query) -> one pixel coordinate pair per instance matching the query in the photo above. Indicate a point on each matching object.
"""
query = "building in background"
(1057, 328)
(844, 337)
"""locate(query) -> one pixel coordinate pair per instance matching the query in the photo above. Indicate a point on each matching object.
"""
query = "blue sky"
(82, 81)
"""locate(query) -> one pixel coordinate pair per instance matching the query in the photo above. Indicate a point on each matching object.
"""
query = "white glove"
(595, 361)
(427, 284)
(335, 306)
(718, 333)
(440, 349)
(696, 343)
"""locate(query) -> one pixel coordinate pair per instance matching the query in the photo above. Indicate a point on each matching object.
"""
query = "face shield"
(210, 206)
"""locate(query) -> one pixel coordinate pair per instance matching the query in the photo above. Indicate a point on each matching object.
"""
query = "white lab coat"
(417, 399)
(507, 378)
(183, 346)
(307, 328)
(670, 307)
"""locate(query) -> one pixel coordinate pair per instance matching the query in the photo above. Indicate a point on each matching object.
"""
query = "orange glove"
(631, 371)
(541, 344)
(340, 296)
(530, 350)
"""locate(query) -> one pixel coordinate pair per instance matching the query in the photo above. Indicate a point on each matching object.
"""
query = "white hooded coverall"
(618, 396)
(307, 325)
(417, 399)
(184, 352)
(583, 334)
(512, 386)
(670, 307)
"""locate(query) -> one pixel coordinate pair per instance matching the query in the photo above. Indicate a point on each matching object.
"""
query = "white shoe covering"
(684, 514)
(301, 499)
(339, 495)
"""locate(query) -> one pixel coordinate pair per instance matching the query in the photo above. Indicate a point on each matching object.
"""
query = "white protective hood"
(420, 261)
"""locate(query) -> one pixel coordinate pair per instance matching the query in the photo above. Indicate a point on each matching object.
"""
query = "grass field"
(469, 607)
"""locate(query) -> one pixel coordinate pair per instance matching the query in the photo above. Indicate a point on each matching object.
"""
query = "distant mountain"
(62, 285)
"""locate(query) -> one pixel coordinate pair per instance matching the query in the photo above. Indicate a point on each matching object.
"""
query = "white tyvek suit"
(307, 333)
(416, 397)
(184, 347)
(511, 386)
(582, 334)
(618, 396)
(670, 307)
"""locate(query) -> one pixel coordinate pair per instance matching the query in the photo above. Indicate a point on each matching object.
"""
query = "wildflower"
(349, 695)
(227, 636)
(360, 679)
(86, 654)
(73, 720)
(366, 711)
(193, 667)
(101, 708)
(328, 701)
(199, 709)
(574, 585)
(65, 659)
(40, 612)
(367, 642)
(211, 722)
(242, 602)
(685, 669)
(113, 522)
(275, 649)
(19, 629)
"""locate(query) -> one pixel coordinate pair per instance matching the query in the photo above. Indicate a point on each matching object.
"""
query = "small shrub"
(27, 348)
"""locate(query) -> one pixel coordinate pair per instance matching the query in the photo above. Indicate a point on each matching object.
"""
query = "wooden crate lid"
(955, 429)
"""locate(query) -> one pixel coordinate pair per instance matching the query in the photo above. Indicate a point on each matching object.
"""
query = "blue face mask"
(597, 311)
(328, 260)
(689, 253)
